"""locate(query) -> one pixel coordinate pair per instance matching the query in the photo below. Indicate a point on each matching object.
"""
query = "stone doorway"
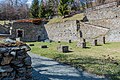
(39, 38)
(20, 33)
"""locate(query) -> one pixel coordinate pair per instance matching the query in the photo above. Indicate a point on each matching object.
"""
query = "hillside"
(60, 19)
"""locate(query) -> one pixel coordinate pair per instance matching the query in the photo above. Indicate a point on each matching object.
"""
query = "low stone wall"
(15, 63)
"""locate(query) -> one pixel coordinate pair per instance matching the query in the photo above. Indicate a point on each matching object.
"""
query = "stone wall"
(64, 31)
(31, 32)
(4, 30)
(105, 11)
(15, 63)
(74, 31)
(113, 25)
(90, 32)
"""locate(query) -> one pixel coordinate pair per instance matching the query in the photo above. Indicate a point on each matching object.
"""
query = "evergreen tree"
(63, 7)
(34, 10)
(49, 8)
(42, 10)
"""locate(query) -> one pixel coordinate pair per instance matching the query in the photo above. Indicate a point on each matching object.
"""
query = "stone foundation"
(15, 63)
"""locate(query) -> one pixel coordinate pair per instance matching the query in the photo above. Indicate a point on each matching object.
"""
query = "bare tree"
(13, 9)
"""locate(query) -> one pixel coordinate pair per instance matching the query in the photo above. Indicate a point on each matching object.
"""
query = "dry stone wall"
(106, 11)
(64, 31)
(113, 25)
(90, 32)
(74, 31)
(31, 32)
(15, 63)
(108, 16)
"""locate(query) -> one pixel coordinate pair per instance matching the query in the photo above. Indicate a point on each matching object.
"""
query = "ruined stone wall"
(31, 32)
(15, 63)
(108, 16)
(64, 31)
(105, 11)
(74, 30)
(91, 32)
(113, 25)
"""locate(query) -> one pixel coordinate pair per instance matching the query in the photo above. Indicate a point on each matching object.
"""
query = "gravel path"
(48, 69)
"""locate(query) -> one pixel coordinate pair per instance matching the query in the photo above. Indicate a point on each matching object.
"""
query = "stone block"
(59, 42)
(94, 42)
(31, 45)
(70, 41)
(6, 60)
(81, 44)
(44, 46)
(63, 49)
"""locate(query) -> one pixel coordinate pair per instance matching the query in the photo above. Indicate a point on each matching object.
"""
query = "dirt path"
(48, 69)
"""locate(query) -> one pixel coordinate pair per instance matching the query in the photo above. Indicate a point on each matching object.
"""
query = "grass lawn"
(101, 60)
(60, 19)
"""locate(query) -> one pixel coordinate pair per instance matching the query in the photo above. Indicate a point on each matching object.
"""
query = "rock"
(8, 40)
(4, 50)
(63, 49)
(4, 74)
(4, 69)
(6, 54)
(27, 61)
(47, 40)
(26, 47)
(6, 60)
(15, 63)
(13, 53)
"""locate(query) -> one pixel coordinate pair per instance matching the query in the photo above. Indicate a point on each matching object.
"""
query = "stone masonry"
(74, 31)
(15, 63)
(107, 16)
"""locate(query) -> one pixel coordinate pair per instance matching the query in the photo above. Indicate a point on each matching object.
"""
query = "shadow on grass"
(87, 47)
(99, 45)
(48, 71)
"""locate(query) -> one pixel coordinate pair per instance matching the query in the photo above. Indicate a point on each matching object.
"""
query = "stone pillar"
(63, 49)
(103, 40)
(82, 44)
(70, 41)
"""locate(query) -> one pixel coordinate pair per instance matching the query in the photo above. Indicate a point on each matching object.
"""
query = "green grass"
(100, 60)
(60, 19)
